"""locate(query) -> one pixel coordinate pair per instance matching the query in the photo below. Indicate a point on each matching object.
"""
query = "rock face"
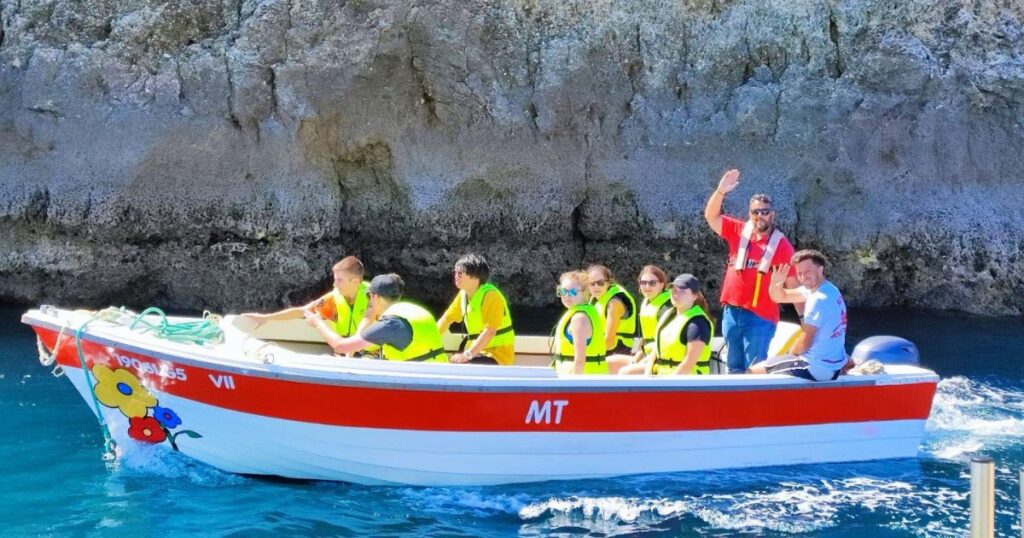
(223, 154)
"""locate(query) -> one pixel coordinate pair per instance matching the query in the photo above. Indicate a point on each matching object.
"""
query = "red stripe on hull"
(497, 411)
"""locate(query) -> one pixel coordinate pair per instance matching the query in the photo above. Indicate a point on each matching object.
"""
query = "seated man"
(404, 331)
(483, 309)
(819, 353)
(343, 307)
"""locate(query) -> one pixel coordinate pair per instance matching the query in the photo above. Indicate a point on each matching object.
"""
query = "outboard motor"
(886, 350)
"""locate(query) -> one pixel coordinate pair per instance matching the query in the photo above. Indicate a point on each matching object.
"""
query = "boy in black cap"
(404, 331)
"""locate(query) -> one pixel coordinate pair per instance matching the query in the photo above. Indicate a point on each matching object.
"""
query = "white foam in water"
(458, 501)
(157, 460)
(792, 508)
(971, 416)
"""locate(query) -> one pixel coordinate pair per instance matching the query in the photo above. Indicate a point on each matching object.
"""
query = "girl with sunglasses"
(616, 306)
(578, 343)
(655, 303)
(682, 344)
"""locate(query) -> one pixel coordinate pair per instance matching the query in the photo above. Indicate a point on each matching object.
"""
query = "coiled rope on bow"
(199, 332)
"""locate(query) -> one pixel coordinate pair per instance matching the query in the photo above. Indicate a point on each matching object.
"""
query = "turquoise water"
(56, 482)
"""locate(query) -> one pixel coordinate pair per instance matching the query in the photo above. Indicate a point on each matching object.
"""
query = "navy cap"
(389, 286)
(686, 281)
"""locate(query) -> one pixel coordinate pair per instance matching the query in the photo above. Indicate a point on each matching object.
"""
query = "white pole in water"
(983, 479)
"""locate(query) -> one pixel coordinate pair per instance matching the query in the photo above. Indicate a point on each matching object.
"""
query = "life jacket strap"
(572, 358)
(426, 356)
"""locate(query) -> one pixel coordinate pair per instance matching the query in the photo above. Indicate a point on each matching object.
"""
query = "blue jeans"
(747, 336)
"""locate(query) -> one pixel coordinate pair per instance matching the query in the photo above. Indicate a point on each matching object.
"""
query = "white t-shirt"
(826, 310)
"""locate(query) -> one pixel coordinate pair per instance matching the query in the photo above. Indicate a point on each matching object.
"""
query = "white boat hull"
(388, 425)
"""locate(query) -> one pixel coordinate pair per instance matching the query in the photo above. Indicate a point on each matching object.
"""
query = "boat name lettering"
(165, 370)
(223, 381)
(541, 412)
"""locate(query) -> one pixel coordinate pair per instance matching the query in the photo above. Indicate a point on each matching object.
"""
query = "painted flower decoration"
(146, 429)
(167, 417)
(120, 389)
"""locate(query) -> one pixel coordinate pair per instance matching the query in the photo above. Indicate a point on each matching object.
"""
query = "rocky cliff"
(222, 154)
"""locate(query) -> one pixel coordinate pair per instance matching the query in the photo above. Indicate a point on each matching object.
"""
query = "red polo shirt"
(738, 286)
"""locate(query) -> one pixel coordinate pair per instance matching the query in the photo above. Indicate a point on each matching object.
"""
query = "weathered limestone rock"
(222, 154)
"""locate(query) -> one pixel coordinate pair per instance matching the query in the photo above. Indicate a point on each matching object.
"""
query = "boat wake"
(927, 497)
(970, 416)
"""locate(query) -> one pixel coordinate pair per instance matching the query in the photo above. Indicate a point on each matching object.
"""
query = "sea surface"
(56, 482)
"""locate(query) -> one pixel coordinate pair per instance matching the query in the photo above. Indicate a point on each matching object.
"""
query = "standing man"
(749, 315)
(404, 331)
(819, 353)
(484, 310)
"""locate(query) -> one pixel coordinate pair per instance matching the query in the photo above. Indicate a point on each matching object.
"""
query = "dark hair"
(818, 258)
(474, 265)
(350, 265)
(605, 272)
(761, 197)
(656, 271)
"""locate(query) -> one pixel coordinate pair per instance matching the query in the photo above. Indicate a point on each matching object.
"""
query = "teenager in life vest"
(656, 301)
(682, 342)
(343, 308)
(616, 306)
(578, 344)
(405, 331)
(756, 248)
(482, 308)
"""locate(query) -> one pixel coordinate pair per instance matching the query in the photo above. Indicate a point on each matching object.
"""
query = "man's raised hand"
(729, 181)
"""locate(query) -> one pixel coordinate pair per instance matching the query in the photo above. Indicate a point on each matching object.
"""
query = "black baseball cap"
(686, 281)
(389, 286)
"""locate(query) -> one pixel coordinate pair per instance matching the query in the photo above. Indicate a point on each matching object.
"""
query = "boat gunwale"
(446, 381)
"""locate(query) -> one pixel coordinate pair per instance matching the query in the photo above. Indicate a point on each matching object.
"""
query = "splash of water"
(970, 416)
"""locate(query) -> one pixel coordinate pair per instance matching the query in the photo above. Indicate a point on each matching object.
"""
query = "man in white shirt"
(819, 353)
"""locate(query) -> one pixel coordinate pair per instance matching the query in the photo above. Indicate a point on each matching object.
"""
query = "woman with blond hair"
(651, 283)
(578, 346)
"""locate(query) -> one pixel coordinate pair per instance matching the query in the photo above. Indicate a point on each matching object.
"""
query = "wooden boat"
(276, 401)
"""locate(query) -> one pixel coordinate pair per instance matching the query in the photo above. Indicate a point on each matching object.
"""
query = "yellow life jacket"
(671, 351)
(564, 351)
(426, 342)
(648, 318)
(627, 325)
(472, 316)
(350, 315)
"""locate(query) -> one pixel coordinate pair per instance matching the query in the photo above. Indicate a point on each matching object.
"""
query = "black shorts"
(621, 349)
(795, 366)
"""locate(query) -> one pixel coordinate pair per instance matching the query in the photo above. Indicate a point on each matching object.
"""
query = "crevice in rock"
(531, 47)
(778, 114)
(288, 29)
(46, 111)
(231, 95)
(633, 72)
(839, 66)
(181, 81)
(272, 83)
(38, 206)
(577, 212)
(426, 96)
